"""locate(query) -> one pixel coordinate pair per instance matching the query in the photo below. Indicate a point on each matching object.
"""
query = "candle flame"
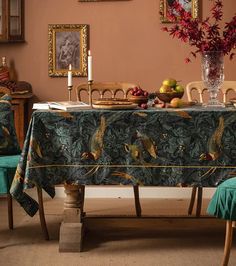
(70, 67)
(89, 52)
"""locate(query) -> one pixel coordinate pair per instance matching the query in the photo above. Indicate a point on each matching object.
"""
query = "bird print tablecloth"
(153, 147)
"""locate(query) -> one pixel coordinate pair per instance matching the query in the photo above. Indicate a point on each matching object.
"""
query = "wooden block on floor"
(70, 237)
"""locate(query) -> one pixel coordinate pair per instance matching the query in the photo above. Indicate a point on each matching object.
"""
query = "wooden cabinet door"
(11, 20)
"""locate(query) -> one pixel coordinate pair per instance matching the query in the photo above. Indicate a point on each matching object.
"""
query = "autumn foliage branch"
(205, 35)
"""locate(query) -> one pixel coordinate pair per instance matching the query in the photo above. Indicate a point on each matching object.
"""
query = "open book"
(67, 105)
(41, 106)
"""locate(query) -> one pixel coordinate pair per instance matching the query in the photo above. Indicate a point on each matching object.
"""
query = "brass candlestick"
(69, 90)
(90, 83)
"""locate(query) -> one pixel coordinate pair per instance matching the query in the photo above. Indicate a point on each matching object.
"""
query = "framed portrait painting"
(191, 6)
(67, 44)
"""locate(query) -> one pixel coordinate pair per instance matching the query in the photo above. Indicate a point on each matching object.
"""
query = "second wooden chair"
(199, 88)
(111, 90)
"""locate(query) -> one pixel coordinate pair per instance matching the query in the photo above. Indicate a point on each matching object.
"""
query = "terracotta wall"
(125, 39)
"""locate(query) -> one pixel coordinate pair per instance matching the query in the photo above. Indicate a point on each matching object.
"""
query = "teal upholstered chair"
(223, 206)
(9, 157)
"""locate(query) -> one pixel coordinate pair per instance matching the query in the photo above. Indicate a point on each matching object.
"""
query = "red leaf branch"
(205, 35)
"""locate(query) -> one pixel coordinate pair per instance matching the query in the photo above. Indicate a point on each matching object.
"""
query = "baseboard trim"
(145, 192)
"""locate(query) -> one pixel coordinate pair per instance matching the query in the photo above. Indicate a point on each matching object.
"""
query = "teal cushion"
(9, 161)
(6, 177)
(8, 165)
(8, 140)
(223, 202)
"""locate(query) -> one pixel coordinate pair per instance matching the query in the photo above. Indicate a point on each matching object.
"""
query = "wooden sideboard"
(20, 107)
(21, 117)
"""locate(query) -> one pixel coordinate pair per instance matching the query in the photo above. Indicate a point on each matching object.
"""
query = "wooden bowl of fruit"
(170, 90)
(166, 97)
(138, 96)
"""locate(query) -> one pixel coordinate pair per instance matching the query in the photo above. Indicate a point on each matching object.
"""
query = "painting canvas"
(68, 45)
(191, 6)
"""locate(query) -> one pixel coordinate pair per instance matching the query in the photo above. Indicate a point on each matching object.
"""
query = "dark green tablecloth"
(164, 147)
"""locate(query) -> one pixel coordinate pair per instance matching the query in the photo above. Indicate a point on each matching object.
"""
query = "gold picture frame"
(190, 5)
(67, 44)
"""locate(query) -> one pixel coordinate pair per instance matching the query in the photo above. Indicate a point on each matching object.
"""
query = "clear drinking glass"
(213, 75)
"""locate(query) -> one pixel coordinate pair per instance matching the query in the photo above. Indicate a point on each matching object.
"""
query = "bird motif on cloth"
(96, 143)
(148, 144)
(214, 143)
(134, 151)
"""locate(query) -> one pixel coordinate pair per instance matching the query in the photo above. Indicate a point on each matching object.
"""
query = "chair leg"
(228, 242)
(41, 214)
(192, 200)
(82, 201)
(10, 211)
(137, 202)
(199, 202)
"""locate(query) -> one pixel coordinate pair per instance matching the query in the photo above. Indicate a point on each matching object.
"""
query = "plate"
(112, 101)
(115, 106)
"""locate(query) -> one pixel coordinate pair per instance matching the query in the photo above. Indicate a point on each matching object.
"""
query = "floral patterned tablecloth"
(154, 147)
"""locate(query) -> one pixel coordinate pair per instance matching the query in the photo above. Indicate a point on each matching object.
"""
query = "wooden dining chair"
(9, 158)
(198, 88)
(223, 206)
(110, 90)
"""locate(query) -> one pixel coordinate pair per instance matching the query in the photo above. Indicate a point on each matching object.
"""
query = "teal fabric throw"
(9, 147)
(8, 140)
(223, 202)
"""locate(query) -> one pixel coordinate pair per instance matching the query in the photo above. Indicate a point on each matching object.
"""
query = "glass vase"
(213, 75)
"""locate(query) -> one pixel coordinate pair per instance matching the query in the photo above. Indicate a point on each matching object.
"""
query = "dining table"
(168, 147)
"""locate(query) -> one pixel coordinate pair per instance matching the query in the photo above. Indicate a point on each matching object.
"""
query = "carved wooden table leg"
(71, 230)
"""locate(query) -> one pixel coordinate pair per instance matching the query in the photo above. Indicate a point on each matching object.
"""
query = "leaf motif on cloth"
(183, 114)
(65, 114)
(126, 176)
(140, 114)
(35, 147)
(5, 131)
(208, 173)
(92, 171)
(6, 138)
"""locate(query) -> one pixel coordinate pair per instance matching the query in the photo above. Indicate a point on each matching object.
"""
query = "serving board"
(115, 106)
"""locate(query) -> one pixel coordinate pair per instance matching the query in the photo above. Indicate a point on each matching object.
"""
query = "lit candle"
(69, 76)
(89, 66)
